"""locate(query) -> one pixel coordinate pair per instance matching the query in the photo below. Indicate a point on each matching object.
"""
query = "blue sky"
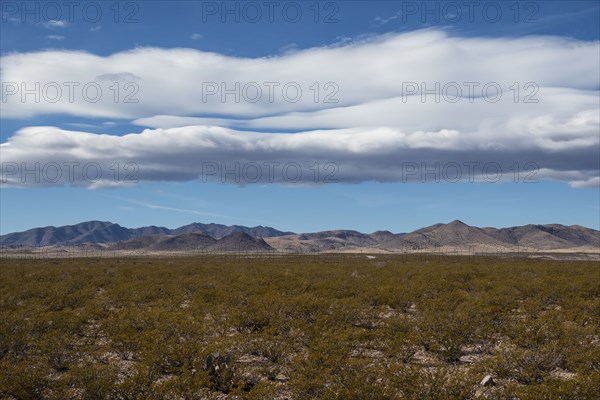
(172, 53)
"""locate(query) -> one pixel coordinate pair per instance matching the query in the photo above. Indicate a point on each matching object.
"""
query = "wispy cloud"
(55, 37)
(82, 125)
(288, 48)
(385, 20)
(56, 23)
(196, 36)
(175, 209)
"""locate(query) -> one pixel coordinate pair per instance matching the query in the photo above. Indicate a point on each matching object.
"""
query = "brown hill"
(454, 234)
(239, 242)
(184, 242)
(138, 243)
(322, 241)
(546, 237)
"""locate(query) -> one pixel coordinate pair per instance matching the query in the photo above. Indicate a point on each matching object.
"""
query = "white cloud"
(566, 119)
(95, 28)
(117, 77)
(173, 81)
(55, 37)
(374, 124)
(208, 153)
(593, 182)
(196, 36)
(56, 23)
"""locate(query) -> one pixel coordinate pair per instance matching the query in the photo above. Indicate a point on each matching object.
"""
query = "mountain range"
(108, 232)
(194, 241)
(454, 236)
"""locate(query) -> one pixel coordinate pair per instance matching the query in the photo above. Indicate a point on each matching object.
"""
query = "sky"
(300, 115)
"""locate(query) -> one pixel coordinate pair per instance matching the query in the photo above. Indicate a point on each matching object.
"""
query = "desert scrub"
(579, 388)
(23, 379)
(328, 327)
(415, 383)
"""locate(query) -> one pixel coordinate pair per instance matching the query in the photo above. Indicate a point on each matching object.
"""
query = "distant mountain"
(138, 243)
(150, 230)
(384, 236)
(454, 236)
(240, 241)
(108, 232)
(218, 231)
(457, 234)
(182, 242)
(547, 236)
(323, 241)
(85, 232)
(235, 242)
(215, 237)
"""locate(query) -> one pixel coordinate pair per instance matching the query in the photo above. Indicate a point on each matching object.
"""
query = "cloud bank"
(372, 108)
(52, 156)
(181, 82)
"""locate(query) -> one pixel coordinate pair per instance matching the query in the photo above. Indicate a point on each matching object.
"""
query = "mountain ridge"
(108, 232)
(215, 237)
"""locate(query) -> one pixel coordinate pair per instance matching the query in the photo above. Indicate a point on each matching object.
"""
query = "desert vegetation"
(299, 327)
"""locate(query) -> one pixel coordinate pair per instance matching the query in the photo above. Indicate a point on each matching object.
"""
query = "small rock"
(366, 353)
(281, 378)
(559, 373)
(487, 381)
